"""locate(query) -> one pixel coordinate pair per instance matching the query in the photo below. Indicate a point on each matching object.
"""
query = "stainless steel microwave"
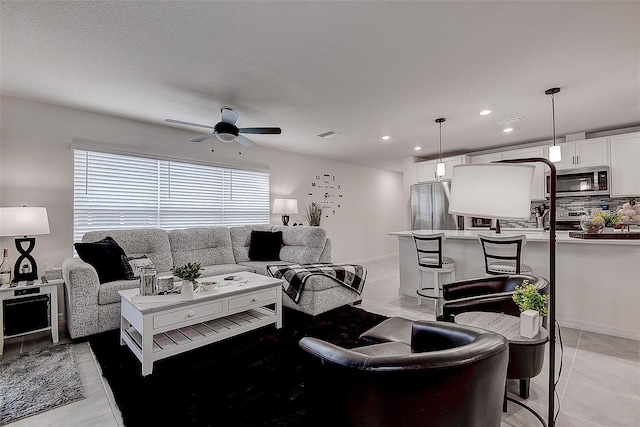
(592, 181)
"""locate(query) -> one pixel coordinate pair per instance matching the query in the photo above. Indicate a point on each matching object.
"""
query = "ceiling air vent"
(328, 134)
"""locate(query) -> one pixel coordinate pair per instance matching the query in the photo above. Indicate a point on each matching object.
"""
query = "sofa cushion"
(108, 292)
(152, 242)
(217, 270)
(133, 264)
(203, 245)
(302, 245)
(260, 267)
(265, 245)
(241, 239)
(105, 256)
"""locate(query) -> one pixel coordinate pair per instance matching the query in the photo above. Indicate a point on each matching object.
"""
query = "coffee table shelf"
(157, 330)
(213, 328)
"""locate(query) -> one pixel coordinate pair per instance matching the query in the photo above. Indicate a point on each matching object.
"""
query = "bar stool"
(429, 249)
(502, 254)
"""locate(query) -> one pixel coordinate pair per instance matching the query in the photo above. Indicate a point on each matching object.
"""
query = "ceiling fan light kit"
(227, 131)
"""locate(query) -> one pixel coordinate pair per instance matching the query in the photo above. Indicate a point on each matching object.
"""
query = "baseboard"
(599, 329)
(376, 258)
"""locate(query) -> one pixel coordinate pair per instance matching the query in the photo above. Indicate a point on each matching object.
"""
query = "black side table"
(526, 355)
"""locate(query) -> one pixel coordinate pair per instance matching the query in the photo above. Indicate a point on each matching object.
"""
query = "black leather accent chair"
(494, 294)
(450, 375)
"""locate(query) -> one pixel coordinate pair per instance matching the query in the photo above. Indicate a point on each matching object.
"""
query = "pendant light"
(440, 170)
(555, 152)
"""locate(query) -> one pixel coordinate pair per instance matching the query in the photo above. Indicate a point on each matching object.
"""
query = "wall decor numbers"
(324, 187)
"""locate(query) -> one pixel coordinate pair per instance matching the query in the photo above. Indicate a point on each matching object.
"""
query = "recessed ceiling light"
(418, 148)
(485, 112)
(507, 130)
(386, 137)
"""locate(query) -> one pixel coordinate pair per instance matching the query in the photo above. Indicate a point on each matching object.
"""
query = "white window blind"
(116, 191)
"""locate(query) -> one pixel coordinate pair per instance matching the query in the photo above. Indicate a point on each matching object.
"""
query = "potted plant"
(189, 272)
(314, 214)
(533, 307)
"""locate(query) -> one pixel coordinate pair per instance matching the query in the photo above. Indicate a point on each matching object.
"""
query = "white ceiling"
(363, 69)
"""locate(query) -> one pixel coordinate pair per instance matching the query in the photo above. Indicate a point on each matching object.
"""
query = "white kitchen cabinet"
(625, 165)
(537, 188)
(486, 158)
(582, 154)
(426, 171)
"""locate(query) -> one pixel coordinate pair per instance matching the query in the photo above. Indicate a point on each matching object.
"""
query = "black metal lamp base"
(25, 255)
(285, 219)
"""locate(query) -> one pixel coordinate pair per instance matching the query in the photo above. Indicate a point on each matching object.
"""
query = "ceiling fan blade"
(202, 138)
(180, 122)
(229, 116)
(245, 141)
(267, 131)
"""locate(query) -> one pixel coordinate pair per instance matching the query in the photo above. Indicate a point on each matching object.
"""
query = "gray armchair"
(450, 375)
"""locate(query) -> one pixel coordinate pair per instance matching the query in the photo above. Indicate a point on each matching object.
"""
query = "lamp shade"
(493, 190)
(285, 206)
(555, 153)
(23, 221)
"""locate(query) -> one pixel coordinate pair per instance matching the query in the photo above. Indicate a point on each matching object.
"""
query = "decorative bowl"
(591, 224)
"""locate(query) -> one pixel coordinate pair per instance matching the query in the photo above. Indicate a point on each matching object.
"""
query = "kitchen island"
(597, 281)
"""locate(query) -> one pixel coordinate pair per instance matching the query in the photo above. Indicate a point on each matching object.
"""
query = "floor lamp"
(503, 190)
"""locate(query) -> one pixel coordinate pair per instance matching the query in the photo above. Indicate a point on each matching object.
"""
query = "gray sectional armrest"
(81, 285)
(325, 256)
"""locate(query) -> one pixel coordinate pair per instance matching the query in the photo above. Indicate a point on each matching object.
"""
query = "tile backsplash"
(569, 203)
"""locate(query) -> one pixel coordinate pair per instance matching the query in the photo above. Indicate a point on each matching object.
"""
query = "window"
(115, 191)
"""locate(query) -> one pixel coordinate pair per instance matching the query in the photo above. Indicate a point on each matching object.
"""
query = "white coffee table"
(157, 330)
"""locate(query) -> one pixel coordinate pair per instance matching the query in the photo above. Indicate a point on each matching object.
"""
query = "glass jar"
(592, 224)
(148, 281)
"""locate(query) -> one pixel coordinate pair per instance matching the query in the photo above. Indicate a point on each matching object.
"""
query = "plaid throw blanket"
(296, 275)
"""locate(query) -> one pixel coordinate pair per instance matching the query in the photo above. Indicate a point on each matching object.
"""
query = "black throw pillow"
(265, 245)
(105, 256)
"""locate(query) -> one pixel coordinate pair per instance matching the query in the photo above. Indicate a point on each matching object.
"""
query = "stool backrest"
(429, 245)
(502, 248)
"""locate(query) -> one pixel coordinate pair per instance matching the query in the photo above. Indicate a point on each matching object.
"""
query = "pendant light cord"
(440, 124)
(553, 117)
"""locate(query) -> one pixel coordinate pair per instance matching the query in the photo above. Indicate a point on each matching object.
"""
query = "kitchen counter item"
(616, 236)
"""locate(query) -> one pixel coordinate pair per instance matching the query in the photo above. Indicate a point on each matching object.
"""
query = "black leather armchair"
(492, 293)
(450, 375)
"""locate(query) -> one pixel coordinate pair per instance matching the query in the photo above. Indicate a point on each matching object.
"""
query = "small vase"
(187, 288)
(530, 321)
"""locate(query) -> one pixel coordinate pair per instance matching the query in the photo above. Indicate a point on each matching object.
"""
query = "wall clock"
(326, 191)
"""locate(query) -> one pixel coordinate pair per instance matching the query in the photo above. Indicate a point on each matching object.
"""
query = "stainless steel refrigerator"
(430, 207)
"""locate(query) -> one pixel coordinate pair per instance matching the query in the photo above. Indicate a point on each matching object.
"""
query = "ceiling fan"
(227, 131)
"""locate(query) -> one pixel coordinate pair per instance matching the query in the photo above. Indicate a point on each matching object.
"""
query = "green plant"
(314, 213)
(527, 297)
(189, 271)
(611, 219)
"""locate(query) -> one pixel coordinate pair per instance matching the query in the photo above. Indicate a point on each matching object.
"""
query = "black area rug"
(37, 381)
(256, 379)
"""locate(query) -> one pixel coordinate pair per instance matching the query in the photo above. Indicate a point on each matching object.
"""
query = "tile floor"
(599, 387)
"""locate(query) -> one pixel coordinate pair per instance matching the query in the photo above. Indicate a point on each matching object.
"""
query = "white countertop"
(535, 235)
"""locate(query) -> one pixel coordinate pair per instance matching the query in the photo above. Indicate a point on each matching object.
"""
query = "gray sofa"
(93, 307)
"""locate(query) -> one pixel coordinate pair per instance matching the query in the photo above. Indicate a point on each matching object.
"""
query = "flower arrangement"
(527, 297)
(630, 211)
(189, 272)
(313, 213)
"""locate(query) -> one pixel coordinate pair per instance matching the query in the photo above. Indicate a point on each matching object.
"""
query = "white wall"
(36, 169)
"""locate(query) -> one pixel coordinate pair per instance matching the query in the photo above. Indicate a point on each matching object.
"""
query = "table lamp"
(285, 207)
(24, 221)
(502, 190)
